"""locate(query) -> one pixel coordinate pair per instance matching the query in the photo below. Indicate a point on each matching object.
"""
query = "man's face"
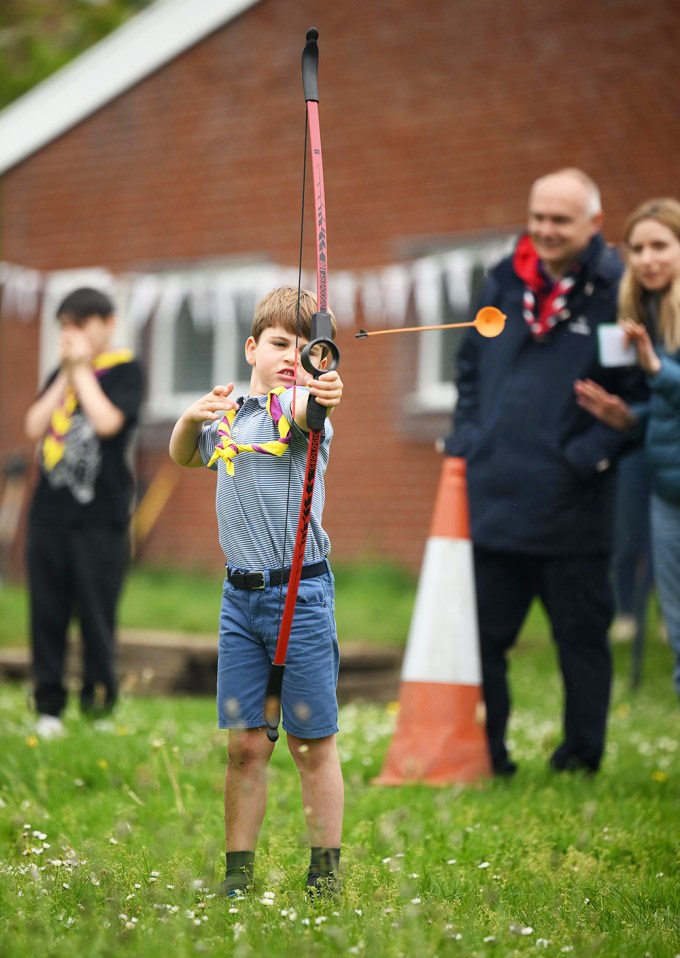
(560, 221)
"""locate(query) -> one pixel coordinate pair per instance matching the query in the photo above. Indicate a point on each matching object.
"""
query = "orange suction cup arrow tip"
(489, 321)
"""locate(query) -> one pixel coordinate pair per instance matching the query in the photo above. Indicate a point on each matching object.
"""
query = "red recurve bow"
(321, 335)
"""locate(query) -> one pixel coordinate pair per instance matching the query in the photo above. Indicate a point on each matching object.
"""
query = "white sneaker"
(623, 628)
(49, 726)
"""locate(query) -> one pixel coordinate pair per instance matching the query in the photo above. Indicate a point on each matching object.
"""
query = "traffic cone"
(439, 736)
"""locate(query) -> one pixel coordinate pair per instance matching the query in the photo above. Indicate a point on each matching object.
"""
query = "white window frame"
(222, 286)
(434, 393)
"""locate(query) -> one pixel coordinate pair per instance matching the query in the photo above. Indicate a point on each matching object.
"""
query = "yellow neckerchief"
(227, 448)
(54, 441)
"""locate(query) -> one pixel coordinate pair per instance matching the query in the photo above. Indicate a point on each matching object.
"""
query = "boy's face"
(274, 362)
(92, 334)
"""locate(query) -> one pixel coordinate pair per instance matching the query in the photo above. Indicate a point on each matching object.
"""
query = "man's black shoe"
(504, 768)
(570, 763)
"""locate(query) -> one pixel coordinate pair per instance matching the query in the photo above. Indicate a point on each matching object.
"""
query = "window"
(460, 277)
(193, 352)
(195, 338)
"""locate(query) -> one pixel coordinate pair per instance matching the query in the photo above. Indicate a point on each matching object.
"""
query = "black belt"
(256, 579)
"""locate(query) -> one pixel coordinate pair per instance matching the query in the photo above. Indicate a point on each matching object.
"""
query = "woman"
(649, 302)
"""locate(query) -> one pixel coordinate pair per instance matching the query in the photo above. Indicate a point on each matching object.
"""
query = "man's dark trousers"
(577, 596)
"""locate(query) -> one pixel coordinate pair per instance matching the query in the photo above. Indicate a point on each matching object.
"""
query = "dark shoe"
(238, 878)
(322, 889)
(504, 768)
(570, 763)
(227, 890)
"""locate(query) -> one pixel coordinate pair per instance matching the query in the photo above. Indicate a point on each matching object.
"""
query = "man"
(540, 471)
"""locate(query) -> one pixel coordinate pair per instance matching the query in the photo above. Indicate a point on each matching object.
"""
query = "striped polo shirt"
(255, 506)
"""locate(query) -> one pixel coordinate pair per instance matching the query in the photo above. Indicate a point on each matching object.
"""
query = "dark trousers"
(75, 572)
(576, 594)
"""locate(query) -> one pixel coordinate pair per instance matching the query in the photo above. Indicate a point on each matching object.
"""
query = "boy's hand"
(637, 335)
(74, 348)
(211, 405)
(184, 438)
(327, 389)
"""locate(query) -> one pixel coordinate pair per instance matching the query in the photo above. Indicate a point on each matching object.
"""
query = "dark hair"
(83, 303)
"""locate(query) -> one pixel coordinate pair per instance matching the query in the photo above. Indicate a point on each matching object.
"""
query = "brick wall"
(435, 119)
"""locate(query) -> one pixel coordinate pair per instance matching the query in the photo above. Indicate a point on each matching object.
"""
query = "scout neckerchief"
(54, 442)
(543, 304)
(227, 448)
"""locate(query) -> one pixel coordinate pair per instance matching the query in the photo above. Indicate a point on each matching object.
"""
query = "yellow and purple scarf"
(227, 449)
(54, 442)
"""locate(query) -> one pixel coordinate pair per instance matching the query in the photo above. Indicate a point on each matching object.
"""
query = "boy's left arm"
(184, 439)
(327, 390)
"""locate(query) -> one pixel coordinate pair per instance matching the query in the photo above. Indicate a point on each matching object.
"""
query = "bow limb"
(321, 336)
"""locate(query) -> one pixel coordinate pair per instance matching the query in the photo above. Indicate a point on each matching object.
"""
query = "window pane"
(193, 352)
(245, 306)
(453, 315)
(450, 338)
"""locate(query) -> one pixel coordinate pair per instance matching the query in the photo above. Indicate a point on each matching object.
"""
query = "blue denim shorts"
(249, 626)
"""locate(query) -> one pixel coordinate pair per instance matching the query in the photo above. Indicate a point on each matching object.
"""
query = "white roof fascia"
(143, 44)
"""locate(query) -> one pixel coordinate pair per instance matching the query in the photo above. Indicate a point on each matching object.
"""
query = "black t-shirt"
(92, 484)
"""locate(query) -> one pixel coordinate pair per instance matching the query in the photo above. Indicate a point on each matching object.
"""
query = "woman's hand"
(636, 335)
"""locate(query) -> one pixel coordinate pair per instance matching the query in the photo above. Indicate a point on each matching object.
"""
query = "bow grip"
(321, 337)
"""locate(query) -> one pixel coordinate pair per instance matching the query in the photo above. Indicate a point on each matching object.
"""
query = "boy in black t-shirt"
(78, 521)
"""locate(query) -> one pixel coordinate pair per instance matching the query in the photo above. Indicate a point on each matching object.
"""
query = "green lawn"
(112, 838)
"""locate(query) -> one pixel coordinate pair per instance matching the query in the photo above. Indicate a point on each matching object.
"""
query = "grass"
(374, 603)
(112, 838)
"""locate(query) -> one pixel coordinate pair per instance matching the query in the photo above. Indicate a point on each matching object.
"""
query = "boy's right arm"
(184, 439)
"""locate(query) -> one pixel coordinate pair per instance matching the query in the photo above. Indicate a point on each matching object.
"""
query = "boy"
(268, 428)
(77, 532)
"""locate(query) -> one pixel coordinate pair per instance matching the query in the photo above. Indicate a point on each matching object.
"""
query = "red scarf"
(543, 304)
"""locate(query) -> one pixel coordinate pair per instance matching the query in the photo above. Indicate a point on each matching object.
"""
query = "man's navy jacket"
(540, 469)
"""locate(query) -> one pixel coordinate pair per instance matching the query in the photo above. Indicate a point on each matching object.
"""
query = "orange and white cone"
(439, 736)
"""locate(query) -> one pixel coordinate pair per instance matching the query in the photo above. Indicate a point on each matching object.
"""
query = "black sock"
(323, 865)
(240, 869)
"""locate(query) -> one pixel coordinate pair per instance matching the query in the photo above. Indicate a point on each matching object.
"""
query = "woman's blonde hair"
(666, 211)
(280, 308)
